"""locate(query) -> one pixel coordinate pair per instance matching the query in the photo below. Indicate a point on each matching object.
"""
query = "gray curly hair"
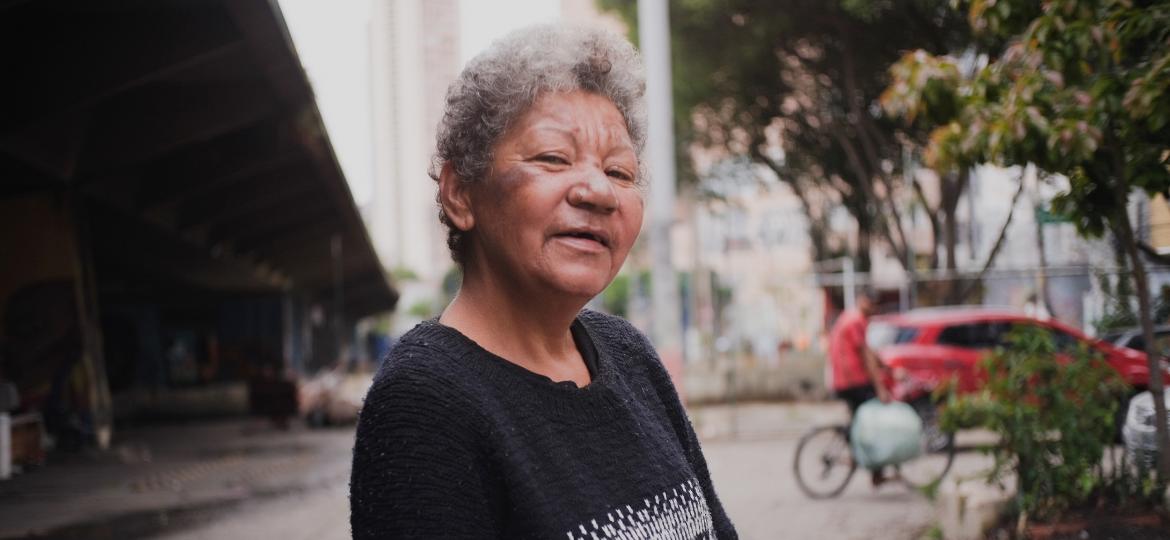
(503, 81)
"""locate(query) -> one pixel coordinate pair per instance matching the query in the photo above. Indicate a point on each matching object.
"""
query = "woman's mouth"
(584, 239)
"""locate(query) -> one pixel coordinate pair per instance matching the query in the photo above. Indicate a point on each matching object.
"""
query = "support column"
(89, 324)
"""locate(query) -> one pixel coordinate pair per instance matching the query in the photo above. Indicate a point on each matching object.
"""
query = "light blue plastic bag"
(885, 434)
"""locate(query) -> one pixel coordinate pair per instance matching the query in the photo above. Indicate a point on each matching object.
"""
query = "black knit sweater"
(455, 442)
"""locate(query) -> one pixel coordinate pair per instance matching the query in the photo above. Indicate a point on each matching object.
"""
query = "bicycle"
(830, 462)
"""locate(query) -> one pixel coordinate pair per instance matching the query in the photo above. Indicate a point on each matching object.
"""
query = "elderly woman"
(517, 414)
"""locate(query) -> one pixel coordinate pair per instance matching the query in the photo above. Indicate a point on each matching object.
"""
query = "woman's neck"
(518, 326)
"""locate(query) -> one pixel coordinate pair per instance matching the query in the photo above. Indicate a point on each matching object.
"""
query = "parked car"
(926, 348)
(1132, 338)
(333, 397)
(1138, 431)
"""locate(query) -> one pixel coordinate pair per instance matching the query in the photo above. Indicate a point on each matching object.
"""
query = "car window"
(1137, 342)
(1062, 341)
(905, 334)
(1113, 337)
(1161, 343)
(984, 335)
(881, 334)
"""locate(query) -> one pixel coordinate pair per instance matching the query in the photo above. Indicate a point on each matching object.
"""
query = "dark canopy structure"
(192, 129)
(166, 178)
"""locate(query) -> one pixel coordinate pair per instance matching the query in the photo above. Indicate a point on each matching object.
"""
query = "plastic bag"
(885, 434)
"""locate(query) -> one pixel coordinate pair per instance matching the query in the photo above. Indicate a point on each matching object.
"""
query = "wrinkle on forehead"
(578, 120)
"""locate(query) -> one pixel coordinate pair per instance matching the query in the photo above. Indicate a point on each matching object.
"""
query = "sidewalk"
(157, 475)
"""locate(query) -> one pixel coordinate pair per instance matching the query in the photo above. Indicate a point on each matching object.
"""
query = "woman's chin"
(582, 285)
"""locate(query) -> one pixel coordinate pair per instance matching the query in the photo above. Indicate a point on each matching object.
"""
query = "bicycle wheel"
(824, 462)
(937, 449)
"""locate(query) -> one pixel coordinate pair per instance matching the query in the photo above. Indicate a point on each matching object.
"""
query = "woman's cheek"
(635, 214)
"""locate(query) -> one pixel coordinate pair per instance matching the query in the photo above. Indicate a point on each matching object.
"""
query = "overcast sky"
(332, 38)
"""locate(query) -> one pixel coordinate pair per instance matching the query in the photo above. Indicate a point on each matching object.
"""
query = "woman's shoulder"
(423, 367)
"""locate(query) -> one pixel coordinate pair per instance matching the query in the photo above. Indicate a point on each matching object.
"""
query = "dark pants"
(855, 396)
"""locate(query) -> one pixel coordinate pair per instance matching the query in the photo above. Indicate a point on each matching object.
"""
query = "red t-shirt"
(846, 365)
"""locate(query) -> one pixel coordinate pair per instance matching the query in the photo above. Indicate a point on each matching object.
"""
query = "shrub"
(1053, 411)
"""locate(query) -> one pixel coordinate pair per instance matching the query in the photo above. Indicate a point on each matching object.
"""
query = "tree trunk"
(950, 238)
(1042, 270)
(953, 187)
(1036, 176)
(862, 256)
(1125, 234)
(999, 240)
(932, 215)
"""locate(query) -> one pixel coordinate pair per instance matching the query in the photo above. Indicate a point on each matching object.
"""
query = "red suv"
(928, 347)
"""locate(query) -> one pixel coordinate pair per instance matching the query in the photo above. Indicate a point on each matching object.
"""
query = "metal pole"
(911, 285)
(654, 34)
(849, 283)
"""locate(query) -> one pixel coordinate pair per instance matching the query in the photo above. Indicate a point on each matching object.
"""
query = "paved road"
(320, 514)
(752, 471)
(749, 449)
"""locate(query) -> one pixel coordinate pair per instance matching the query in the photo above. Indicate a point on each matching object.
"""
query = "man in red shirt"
(855, 371)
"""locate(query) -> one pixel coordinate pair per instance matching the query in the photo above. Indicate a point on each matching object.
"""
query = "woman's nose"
(594, 192)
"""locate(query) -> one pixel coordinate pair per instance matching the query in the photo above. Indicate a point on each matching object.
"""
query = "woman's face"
(561, 206)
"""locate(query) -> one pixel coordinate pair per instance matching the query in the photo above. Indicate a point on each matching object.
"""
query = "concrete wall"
(797, 375)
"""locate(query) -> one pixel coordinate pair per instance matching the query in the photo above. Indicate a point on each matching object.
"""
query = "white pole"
(654, 35)
(848, 284)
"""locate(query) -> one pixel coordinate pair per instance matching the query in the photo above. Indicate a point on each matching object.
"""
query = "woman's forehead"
(575, 114)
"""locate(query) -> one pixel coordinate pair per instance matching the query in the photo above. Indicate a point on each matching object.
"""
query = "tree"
(751, 76)
(1076, 87)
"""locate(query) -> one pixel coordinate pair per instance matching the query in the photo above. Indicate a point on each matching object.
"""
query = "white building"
(414, 55)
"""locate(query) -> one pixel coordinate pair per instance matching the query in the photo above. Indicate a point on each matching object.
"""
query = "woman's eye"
(553, 159)
(620, 175)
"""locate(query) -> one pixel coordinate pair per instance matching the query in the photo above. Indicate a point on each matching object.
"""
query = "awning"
(191, 132)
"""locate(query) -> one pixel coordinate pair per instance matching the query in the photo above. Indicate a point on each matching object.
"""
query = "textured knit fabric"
(455, 442)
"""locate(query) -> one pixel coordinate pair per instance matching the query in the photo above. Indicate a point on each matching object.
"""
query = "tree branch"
(970, 288)
(863, 181)
(932, 215)
(1153, 254)
(815, 230)
(855, 100)
(896, 217)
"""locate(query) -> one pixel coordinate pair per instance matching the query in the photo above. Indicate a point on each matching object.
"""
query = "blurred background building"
(414, 55)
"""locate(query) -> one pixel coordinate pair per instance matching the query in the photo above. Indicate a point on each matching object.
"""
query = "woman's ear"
(455, 197)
